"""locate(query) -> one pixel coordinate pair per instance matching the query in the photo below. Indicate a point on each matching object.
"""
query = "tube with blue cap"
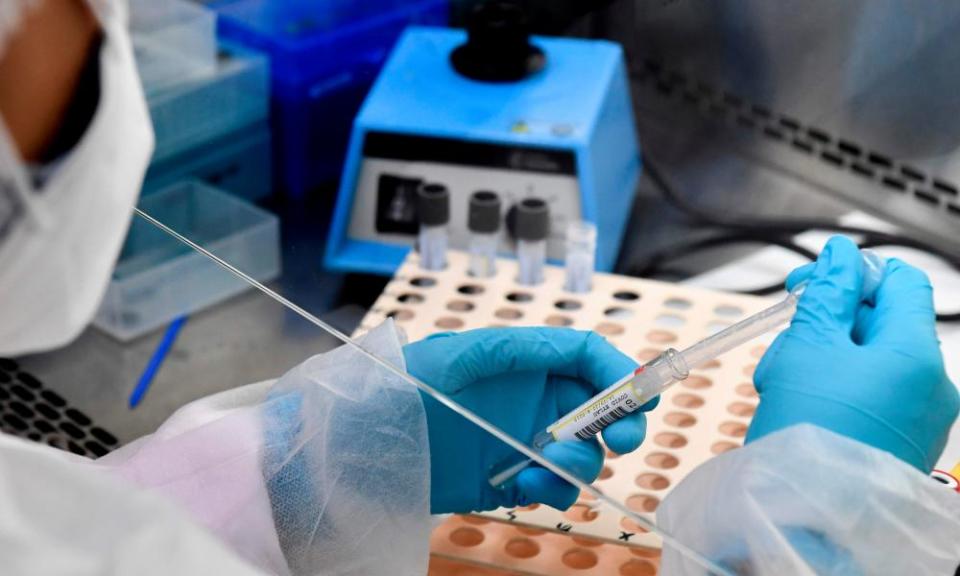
(639, 387)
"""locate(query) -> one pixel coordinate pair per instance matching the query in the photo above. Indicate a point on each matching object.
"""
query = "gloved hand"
(873, 373)
(521, 380)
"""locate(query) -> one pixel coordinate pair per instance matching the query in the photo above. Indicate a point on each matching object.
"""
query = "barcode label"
(607, 419)
(597, 413)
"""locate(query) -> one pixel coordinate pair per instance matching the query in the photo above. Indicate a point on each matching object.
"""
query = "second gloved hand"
(521, 380)
(873, 373)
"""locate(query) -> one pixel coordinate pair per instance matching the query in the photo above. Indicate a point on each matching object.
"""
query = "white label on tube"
(598, 412)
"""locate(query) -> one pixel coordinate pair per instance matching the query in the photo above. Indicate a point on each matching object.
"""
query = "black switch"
(397, 204)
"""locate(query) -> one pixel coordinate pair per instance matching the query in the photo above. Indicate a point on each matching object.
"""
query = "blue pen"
(153, 366)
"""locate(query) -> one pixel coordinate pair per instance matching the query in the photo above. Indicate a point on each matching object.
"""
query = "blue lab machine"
(563, 131)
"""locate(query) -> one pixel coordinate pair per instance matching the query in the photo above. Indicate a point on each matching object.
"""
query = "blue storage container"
(324, 56)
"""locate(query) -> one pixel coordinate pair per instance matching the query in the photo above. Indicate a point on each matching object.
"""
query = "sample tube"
(581, 249)
(433, 209)
(532, 229)
(483, 221)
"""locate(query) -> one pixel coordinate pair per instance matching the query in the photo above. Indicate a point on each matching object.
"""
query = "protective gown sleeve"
(807, 501)
(60, 515)
(324, 472)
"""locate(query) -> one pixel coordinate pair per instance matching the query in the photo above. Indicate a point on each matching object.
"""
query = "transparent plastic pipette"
(639, 387)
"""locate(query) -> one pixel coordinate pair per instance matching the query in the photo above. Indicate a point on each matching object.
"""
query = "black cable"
(772, 231)
(655, 264)
(872, 243)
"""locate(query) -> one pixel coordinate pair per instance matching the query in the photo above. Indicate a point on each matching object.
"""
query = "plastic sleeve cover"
(327, 471)
(347, 464)
(807, 501)
(63, 515)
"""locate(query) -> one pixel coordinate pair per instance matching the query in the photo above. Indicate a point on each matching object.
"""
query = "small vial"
(532, 229)
(433, 210)
(483, 221)
(581, 250)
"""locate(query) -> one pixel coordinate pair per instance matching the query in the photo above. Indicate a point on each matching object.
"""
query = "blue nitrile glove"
(873, 373)
(521, 380)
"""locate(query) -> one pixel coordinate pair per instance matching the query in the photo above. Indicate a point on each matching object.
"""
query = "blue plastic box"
(324, 56)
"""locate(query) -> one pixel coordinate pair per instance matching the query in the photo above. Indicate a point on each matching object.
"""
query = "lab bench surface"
(246, 339)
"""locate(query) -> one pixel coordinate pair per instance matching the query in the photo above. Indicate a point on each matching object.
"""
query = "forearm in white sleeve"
(325, 472)
(807, 501)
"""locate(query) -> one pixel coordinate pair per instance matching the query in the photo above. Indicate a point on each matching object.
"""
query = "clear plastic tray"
(236, 95)
(238, 162)
(158, 278)
(173, 40)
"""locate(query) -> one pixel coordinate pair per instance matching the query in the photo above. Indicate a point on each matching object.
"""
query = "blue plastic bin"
(324, 56)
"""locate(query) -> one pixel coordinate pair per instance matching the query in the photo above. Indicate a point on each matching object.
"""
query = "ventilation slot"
(842, 154)
(29, 410)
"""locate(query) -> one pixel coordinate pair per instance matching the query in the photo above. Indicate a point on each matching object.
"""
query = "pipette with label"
(639, 387)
